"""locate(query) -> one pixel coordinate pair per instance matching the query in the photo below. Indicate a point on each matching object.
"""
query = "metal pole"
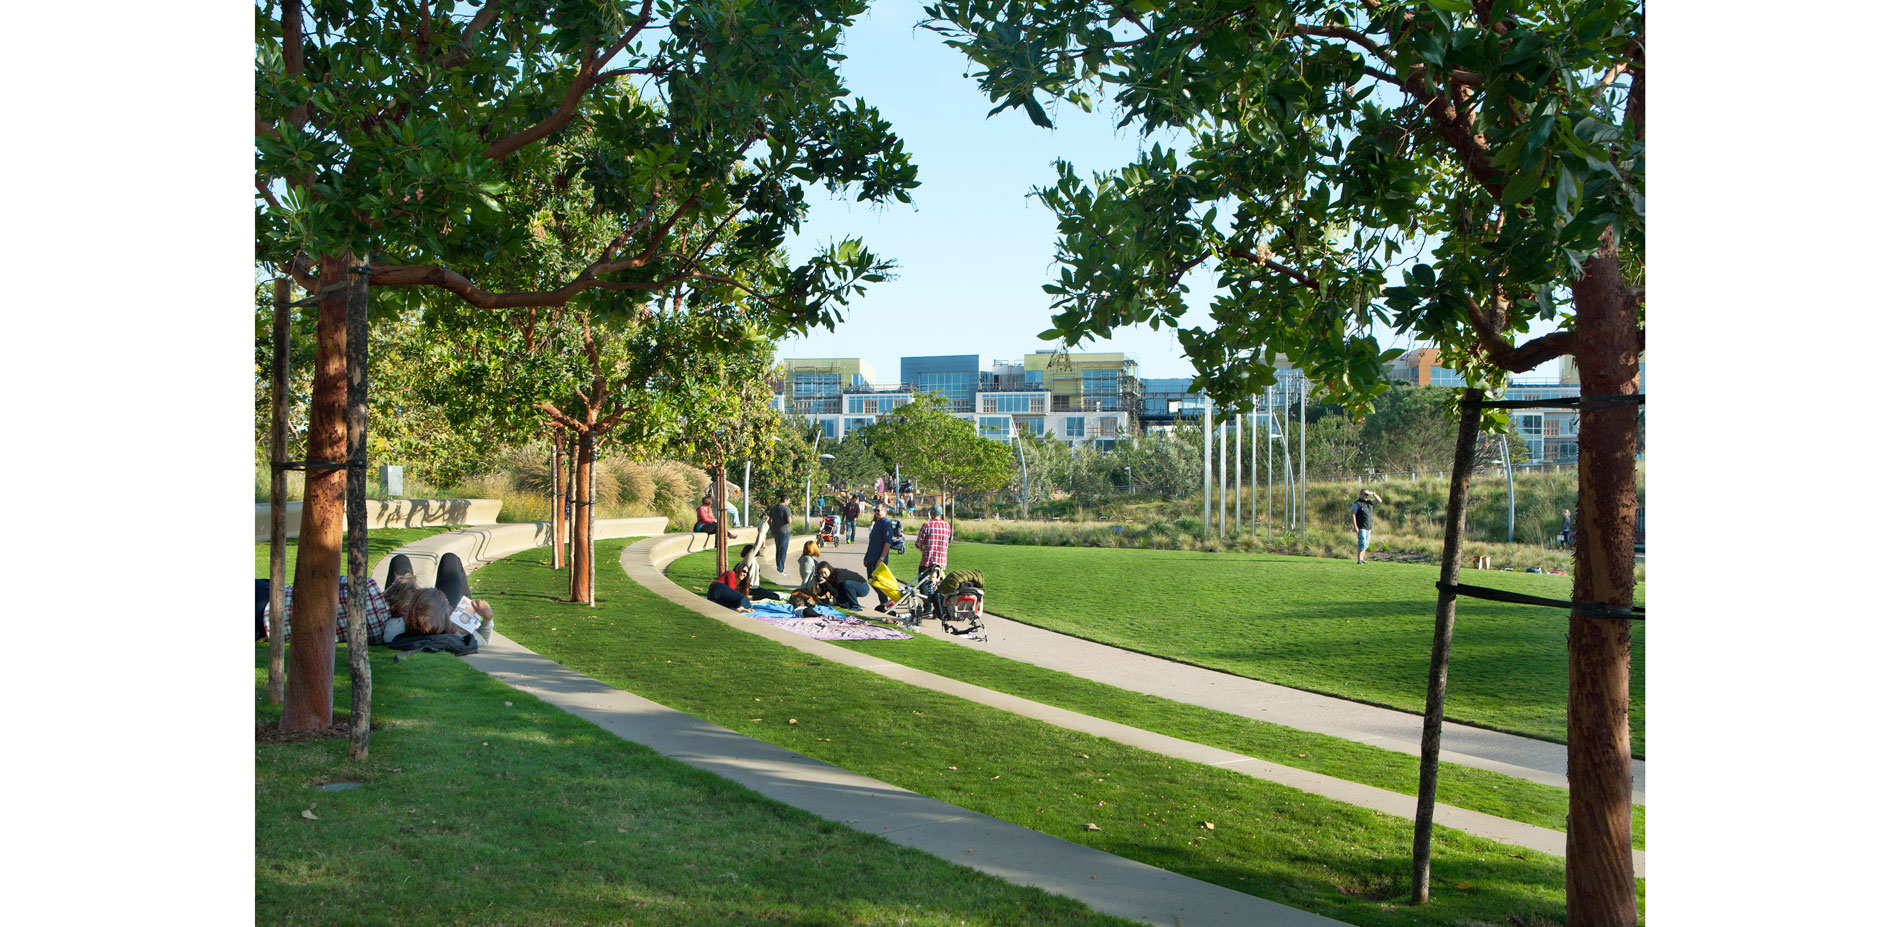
(554, 502)
(1303, 385)
(279, 480)
(1207, 463)
(1223, 475)
(1510, 489)
(355, 481)
(1286, 439)
(1253, 478)
(1270, 460)
(1024, 461)
(745, 496)
(1240, 426)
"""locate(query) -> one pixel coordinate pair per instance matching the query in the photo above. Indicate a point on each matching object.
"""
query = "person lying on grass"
(398, 608)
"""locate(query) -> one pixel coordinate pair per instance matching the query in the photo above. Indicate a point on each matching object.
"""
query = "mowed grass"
(484, 806)
(1211, 824)
(381, 542)
(1329, 626)
(1462, 786)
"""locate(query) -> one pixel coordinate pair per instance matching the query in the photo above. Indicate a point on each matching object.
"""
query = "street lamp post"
(1510, 491)
(1024, 462)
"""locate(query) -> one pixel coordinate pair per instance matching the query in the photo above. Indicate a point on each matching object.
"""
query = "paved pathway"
(646, 560)
(1526, 758)
(1103, 881)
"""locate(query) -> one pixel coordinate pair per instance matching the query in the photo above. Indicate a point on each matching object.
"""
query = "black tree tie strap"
(1586, 609)
(319, 465)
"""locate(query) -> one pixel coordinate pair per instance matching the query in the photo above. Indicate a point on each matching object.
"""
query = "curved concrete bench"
(396, 513)
(478, 547)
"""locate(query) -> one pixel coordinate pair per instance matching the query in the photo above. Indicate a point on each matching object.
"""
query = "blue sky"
(975, 249)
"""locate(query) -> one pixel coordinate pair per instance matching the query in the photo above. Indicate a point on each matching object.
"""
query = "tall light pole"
(1510, 490)
(1223, 474)
(1207, 463)
(1303, 386)
(1024, 462)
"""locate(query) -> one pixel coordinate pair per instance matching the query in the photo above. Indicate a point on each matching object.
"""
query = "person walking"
(933, 543)
(778, 523)
(1362, 519)
(851, 512)
(877, 547)
(1563, 534)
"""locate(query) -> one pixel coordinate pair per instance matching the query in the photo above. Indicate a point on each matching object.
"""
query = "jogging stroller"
(897, 536)
(955, 600)
(828, 531)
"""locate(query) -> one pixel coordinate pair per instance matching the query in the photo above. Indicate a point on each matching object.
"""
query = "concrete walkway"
(645, 562)
(1103, 881)
(1524, 757)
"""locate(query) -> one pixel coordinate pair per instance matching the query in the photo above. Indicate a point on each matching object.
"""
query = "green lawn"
(381, 541)
(481, 805)
(1264, 839)
(1465, 787)
(1330, 626)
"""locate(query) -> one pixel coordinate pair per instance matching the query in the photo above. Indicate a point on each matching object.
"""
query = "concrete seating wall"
(396, 513)
(480, 545)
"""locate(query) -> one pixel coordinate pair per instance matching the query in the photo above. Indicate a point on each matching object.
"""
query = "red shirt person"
(933, 541)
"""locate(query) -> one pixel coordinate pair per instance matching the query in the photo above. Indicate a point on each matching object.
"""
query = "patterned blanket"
(830, 625)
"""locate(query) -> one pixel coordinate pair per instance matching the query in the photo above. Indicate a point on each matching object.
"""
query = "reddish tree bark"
(581, 570)
(1599, 879)
(308, 694)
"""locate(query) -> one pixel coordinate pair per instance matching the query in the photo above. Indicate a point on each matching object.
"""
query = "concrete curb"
(480, 546)
(395, 513)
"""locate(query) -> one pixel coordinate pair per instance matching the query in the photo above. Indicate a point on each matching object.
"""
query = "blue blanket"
(830, 625)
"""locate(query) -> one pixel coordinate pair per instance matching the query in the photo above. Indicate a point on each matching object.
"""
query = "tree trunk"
(320, 534)
(581, 570)
(1599, 878)
(279, 479)
(1447, 614)
(358, 512)
(719, 516)
(557, 480)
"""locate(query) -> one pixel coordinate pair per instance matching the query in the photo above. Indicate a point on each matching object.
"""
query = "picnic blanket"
(831, 625)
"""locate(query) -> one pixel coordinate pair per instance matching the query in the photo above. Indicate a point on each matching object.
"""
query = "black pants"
(451, 579)
(782, 538)
(723, 594)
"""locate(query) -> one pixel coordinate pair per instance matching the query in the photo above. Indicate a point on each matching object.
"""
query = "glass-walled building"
(952, 376)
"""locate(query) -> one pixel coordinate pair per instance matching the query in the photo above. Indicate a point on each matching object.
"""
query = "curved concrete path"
(1016, 854)
(646, 561)
(1105, 882)
(1524, 757)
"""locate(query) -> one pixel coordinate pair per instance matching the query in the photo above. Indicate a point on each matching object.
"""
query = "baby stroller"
(828, 531)
(897, 536)
(955, 600)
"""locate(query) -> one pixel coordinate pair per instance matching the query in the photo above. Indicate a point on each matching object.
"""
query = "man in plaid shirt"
(376, 618)
(933, 540)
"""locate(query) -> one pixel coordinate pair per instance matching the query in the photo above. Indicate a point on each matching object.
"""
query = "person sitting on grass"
(734, 588)
(808, 562)
(816, 590)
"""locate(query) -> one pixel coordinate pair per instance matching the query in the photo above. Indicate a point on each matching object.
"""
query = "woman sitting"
(808, 563)
(734, 588)
(704, 520)
(843, 587)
